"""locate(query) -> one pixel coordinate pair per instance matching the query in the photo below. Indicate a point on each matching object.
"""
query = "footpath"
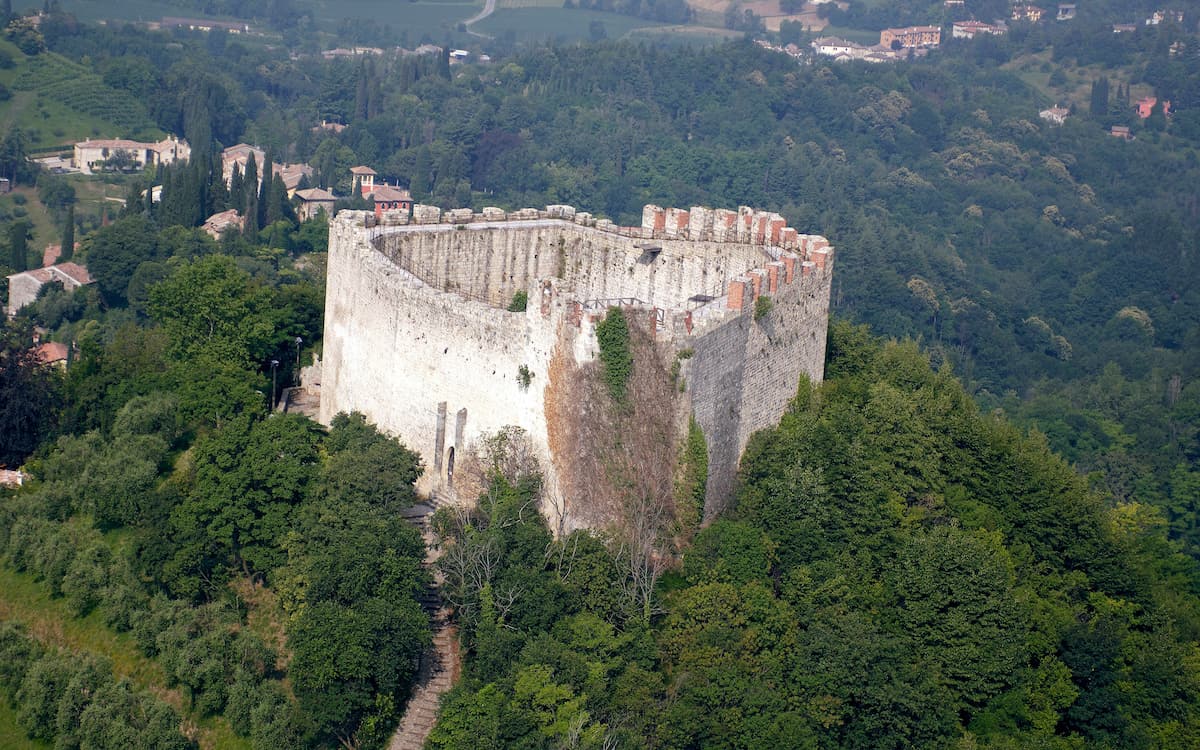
(440, 665)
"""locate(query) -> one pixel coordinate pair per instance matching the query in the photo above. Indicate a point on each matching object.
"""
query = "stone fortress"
(418, 335)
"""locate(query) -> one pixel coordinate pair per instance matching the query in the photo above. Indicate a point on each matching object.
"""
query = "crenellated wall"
(417, 335)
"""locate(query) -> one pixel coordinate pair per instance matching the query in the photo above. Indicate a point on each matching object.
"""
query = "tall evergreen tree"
(68, 237)
(276, 202)
(1099, 102)
(250, 203)
(264, 190)
(18, 244)
(237, 193)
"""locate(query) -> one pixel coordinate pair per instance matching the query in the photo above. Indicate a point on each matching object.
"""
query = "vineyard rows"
(76, 87)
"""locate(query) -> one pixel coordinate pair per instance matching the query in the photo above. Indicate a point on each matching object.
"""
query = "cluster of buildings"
(1143, 107)
(92, 155)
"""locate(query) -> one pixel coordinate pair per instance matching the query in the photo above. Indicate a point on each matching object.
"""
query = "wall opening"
(450, 466)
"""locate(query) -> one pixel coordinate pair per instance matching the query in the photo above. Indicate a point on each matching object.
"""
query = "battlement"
(421, 324)
(744, 226)
(771, 253)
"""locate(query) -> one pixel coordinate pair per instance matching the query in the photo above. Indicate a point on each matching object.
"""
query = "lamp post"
(299, 341)
(274, 367)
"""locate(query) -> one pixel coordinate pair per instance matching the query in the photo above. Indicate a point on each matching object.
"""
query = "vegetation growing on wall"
(520, 300)
(762, 306)
(693, 477)
(612, 334)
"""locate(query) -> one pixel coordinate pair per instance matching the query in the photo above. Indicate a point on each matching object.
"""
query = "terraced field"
(74, 86)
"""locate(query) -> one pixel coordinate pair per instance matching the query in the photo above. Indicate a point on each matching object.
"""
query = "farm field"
(97, 10)
(57, 102)
(425, 19)
(533, 24)
(683, 35)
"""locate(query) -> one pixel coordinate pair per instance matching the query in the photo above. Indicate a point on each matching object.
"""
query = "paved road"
(488, 7)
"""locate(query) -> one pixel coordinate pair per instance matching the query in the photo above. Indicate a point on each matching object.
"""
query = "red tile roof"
(74, 271)
(52, 352)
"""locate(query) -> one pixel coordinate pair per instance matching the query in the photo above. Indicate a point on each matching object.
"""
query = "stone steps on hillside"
(440, 664)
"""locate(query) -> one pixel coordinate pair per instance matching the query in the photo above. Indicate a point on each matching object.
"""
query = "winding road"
(488, 7)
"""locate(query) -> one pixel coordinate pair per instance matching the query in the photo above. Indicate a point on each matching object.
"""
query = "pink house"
(1146, 105)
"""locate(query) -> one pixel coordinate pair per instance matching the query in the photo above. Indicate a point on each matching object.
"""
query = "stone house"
(90, 155)
(312, 201)
(23, 288)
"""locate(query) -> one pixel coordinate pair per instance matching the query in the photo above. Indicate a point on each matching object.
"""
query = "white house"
(1055, 115)
(91, 154)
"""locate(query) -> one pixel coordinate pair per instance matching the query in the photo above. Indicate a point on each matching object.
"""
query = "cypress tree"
(237, 194)
(68, 237)
(250, 205)
(283, 206)
(1099, 103)
(264, 192)
(18, 239)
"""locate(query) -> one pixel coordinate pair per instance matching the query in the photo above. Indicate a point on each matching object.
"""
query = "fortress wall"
(412, 357)
(608, 266)
(488, 263)
(440, 368)
(743, 372)
(491, 261)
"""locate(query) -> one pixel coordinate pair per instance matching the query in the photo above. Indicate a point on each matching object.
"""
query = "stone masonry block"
(775, 229)
(737, 293)
(758, 234)
(699, 223)
(724, 225)
(491, 213)
(423, 214)
(394, 218)
(744, 224)
(775, 275)
(560, 211)
(654, 218)
(676, 222)
(789, 267)
(758, 278)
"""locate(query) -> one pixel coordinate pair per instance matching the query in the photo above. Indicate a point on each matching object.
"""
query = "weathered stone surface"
(417, 335)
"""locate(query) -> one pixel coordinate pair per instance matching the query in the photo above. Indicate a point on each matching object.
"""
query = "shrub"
(613, 336)
(762, 307)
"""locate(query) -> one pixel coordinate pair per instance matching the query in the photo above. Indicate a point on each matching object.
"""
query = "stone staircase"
(440, 665)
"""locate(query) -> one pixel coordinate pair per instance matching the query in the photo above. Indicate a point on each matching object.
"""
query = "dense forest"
(981, 530)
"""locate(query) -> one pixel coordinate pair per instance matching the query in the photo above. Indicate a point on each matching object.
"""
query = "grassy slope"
(434, 18)
(46, 120)
(1078, 88)
(44, 229)
(536, 24)
(25, 601)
